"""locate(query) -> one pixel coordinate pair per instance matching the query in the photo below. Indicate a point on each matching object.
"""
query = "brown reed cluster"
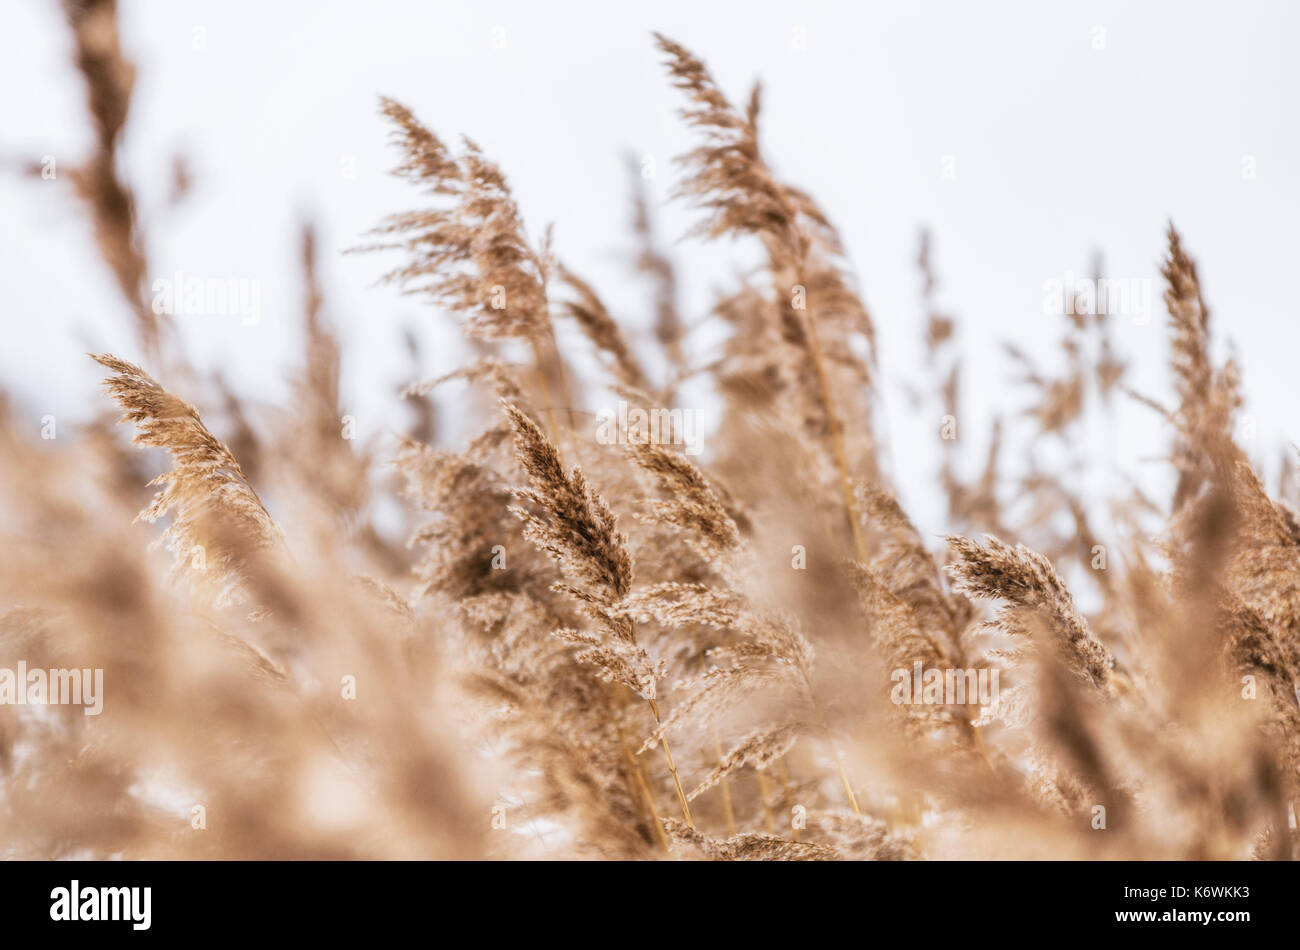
(588, 642)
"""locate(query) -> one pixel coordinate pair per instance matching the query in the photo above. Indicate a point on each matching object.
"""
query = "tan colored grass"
(493, 677)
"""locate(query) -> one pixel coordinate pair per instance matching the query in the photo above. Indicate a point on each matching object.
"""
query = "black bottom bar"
(491, 901)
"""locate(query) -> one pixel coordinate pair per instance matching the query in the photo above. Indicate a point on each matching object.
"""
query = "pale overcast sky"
(1064, 128)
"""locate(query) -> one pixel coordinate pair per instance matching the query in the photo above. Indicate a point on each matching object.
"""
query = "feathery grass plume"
(1190, 320)
(109, 78)
(488, 369)
(895, 626)
(759, 748)
(655, 263)
(1264, 569)
(1031, 589)
(424, 422)
(1221, 518)
(242, 435)
(218, 521)
(325, 463)
(690, 503)
(748, 846)
(578, 530)
(1251, 647)
(1059, 401)
(728, 178)
(322, 346)
(761, 650)
(1237, 575)
(571, 523)
(568, 521)
(1108, 367)
(974, 505)
(556, 725)
(910, 617)
(551, 719)
(901, 638)
(552, 738)
(769, 656)
(600, 328)
(1240, 560)
(908, 569)
(470, 254)
(1073, 725)
(1207, 396)
(467, 499)
(746, 374)
(675, 604)
(856, 837)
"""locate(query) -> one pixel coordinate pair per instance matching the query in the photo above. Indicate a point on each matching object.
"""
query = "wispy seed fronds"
(1028, 584)
(748, 846)
(470, 254)
(758, 748)
(217, 518)
(589, 312)
(691, 502)
(568, 519)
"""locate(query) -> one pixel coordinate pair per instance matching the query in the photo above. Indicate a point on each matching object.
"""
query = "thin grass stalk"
(672, 767)
(837, 438)
(635, 767)
(547, 400)
(725, 786)
(637, 783)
